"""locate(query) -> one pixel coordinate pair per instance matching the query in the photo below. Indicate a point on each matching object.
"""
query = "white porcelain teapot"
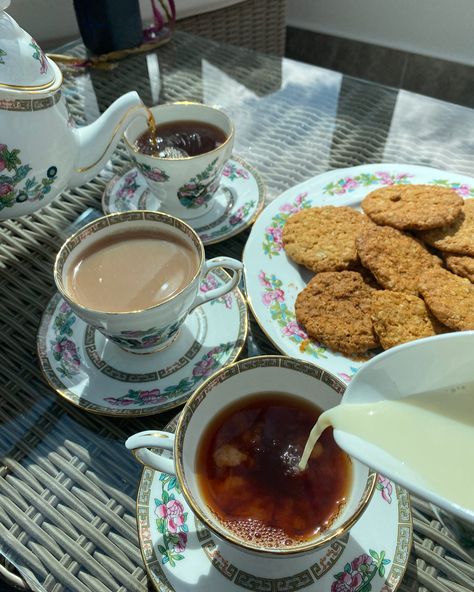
(41, 152)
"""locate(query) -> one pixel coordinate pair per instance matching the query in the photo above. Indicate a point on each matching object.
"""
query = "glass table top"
(67, 484)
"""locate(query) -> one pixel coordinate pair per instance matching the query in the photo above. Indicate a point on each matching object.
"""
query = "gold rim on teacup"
(230, 135)
(109, 220)
(200, 394)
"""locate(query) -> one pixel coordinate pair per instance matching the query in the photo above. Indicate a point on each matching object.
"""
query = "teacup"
(282, 376)
(154, 327)
(184, 186)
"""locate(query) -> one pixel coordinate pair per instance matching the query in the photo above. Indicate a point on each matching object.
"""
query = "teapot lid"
(23, 65)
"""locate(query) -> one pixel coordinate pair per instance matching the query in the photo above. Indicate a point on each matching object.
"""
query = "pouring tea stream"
(409, 414)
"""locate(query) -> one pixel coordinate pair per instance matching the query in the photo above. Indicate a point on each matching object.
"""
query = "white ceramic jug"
(41, 152)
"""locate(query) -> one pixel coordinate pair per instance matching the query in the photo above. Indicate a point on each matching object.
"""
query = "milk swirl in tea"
(248, 476)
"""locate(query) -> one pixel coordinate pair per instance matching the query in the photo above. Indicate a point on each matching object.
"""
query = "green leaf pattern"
(273, 297)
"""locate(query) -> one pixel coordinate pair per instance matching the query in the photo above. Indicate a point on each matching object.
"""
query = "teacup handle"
(141, 443)
(236, 268)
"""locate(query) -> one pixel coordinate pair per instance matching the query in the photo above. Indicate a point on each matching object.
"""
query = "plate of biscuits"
(358, 260)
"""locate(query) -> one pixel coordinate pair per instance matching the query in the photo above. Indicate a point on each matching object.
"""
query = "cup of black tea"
(181, 150)
(236, 451)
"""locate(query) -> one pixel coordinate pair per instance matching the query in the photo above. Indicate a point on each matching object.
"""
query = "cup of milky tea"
(135, 277)
(181, 154)
(236, 451)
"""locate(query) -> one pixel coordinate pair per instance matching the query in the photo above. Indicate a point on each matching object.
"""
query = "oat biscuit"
(457, 237)
(449, 297)
(462, 265)
(413, 207)
(395, 258)
(398, 318)
(334, 308)
(323, 239)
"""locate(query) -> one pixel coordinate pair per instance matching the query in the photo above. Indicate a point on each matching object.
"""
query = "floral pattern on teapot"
(39, 55)
(3, 53)
(32, 189)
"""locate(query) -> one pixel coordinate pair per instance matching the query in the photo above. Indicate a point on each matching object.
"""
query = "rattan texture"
(255, 24)
(67, 487)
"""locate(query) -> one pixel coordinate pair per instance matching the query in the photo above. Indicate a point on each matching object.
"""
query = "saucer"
(236, 204)
(182, 555)
(88, 370)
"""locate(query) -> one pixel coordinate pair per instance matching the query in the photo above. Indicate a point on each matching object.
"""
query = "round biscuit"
(395, 258)
(334, 308)
(413, 207)
(457, 237)
(449, 297)
(398, 318)
(323, 239)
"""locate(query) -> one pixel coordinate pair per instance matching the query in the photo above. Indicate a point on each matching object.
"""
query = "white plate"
(181, 555)
(273, 281)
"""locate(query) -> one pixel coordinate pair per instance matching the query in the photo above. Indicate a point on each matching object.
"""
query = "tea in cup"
(236, 451)
(135, 277)
(182, 155)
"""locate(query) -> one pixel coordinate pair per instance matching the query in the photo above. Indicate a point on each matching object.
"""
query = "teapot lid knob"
(4, 4)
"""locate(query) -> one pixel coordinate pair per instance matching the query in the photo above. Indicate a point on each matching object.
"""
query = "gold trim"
(162, 577)
(184, 158)
(54, 84)
(262, 196)
(21, 87)
(58, 276)
(229, 537)
(114, 133)
(242, 330)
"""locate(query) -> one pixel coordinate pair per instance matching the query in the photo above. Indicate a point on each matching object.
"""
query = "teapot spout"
(97, 140)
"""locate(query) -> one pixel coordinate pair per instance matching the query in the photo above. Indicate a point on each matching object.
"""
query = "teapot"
(41, 152)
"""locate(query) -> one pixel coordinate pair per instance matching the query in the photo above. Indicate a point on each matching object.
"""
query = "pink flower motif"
(173, 513)
(361, 560)
(345, 376)
(64, 307)
(152, 396)
(385, 487)
(5, 188)
(273, 295)
(227, 170)
(228, 301)
(3, 164)
(350, 183)
(237, 217)
(155, 175)
(347, 582)
(288, 208)
(293, 328)
(299, 198)
(464, 190)
(263, 280)
(204, 367)
(208, 284)
(243, 173)
(180, 546)
(385, 178)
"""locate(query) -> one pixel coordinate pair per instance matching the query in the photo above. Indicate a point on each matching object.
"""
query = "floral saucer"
(82, 366)
(273, 281)
(237, 202)
(181, 555)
